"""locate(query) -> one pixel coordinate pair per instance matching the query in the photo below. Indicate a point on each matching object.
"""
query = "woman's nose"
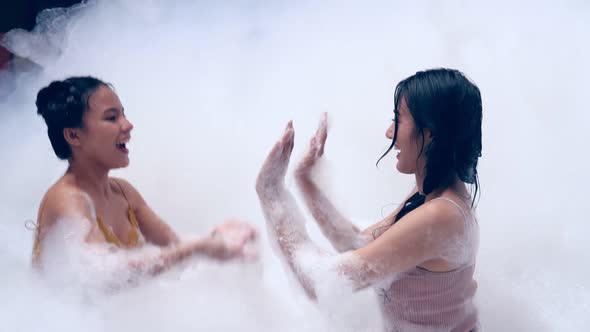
(127, 125)
(389, 132)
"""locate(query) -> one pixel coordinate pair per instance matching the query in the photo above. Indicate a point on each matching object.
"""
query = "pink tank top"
(422, 300)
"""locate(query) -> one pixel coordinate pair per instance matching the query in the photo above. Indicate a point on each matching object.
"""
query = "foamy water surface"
(209, 87)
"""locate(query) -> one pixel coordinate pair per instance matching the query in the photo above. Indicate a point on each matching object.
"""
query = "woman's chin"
(404, 170)
(121, 164)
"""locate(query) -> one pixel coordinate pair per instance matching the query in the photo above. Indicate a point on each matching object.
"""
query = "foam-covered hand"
(234, 239)
(315, 150)
(272, 173)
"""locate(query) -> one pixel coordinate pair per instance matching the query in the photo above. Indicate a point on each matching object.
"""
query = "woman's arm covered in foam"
(421, 235)
(66, 232)
(340, 231)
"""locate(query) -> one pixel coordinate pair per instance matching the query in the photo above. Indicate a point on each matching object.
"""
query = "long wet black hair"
(448, 104)
(62, 104)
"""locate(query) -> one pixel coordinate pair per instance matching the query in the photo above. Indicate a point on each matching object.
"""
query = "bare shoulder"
(63, 200)
(444, 212)
(433, 217)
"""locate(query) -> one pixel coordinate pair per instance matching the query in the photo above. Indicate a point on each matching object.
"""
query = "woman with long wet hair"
(420, 258)
(87, 127)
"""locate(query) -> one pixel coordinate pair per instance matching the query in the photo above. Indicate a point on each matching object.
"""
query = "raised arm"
(340, 231)
(421, 235)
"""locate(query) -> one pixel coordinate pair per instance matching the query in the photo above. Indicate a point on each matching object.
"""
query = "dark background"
(21, 14)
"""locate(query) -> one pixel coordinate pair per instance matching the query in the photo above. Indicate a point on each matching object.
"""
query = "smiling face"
(409, 143)
(105, 131)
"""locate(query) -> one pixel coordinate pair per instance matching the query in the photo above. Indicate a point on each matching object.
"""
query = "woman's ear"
(427, 136)
(72, 136)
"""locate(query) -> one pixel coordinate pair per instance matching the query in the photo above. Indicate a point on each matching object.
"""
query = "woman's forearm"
(307, 261)
(171, 256)
(285, 224)
(342, 233)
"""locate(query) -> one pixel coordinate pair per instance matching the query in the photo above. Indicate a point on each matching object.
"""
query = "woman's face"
(408, 142)
(106, 130)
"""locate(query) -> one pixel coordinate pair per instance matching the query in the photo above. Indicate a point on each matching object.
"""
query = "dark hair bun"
(62, 105)
(55, 101)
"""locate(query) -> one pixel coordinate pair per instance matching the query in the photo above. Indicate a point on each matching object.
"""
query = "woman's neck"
(457, 186)
(90, 178)
(419, 182)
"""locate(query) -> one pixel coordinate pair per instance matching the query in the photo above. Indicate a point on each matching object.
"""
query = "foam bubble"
(209, 86)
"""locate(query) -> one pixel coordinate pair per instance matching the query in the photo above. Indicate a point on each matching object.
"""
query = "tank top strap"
(454, 203)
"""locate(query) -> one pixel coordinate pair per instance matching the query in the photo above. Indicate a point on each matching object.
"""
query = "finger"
(323, 128)
(250, 253)
(313, 147)
(320, 150)
(253, 234)
(279, 145)
(288, 140)
(276, 148)
(289, 132)
(248, 234)
(291, 141)
(324, 119)
(322, 133)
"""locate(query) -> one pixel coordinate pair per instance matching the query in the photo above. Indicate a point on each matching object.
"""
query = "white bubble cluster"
(209, 87)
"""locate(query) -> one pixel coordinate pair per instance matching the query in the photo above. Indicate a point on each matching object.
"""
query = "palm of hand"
(315, 149)
(272, 173)
(235, 239)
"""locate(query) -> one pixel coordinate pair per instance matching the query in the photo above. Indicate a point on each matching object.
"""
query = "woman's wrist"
(211, 246)
(303, 173)
(304, 177)
(201, 246)
(306, 185)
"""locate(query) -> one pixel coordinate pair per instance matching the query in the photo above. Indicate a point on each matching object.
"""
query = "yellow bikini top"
(133, 238)
(111, 237)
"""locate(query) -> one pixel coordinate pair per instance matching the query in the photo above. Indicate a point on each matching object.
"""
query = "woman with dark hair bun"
(420, 259)
(87, 126)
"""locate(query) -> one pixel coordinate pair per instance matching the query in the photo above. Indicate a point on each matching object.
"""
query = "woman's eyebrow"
(112, 109)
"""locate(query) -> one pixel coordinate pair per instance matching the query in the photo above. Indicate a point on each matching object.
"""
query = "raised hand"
(315, 149)
(272, 173)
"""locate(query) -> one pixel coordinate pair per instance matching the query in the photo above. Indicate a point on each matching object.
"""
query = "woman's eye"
(111, 118)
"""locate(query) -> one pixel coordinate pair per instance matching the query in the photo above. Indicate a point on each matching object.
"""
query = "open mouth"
(122, 145)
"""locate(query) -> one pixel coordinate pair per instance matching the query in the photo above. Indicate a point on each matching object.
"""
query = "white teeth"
(123, 142)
